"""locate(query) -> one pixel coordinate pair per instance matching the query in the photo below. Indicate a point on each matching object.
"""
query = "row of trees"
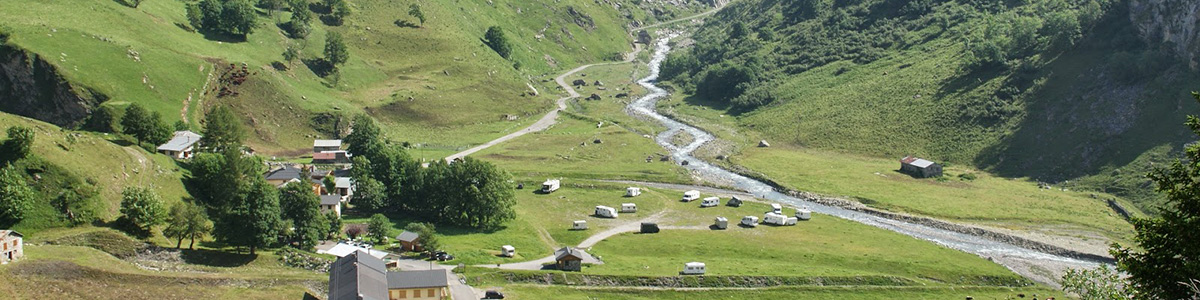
(231, 17)
(469, 192)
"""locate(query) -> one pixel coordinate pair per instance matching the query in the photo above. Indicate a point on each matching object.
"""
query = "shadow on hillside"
(319, 66)
(216, 258)
(222, 37)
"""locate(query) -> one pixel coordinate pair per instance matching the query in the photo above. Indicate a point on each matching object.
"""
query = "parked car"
(493, 295)
(442, 256)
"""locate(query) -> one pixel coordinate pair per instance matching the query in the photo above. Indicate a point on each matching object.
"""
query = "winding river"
(1018, 259)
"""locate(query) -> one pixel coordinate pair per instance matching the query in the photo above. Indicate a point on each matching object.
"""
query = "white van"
(774, 219)
(804, 213)
(550, 185)
(628, 208)
(691, 195)
(605, 211)
(693, 268)
(751, 221)
(710, 202)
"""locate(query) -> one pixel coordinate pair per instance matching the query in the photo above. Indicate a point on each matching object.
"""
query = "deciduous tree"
(16, 196)
(495, 39)
(142, 208)
(377, 227)
(187, 221)
(336, 52)
(415, 11)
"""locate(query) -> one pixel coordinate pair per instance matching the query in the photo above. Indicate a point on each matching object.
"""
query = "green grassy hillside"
(439, 78)
(1050, 90)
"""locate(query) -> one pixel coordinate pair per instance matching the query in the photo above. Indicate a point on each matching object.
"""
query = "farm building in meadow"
(12, 246)
(920, 168)
(181, 145)
(409, 241)
(326, 145)
(569, 259)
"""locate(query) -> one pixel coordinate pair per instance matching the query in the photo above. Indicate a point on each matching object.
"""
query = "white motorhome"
(628, 208)
(751, 221)
(579, 225)
(721, 223)
(550, 185)
(710, 202)
(693, 268)
(774, 219)
(508, 251)
(633, 192)
(804, 213)
(691, 195)
(605, 211)
(776, 208)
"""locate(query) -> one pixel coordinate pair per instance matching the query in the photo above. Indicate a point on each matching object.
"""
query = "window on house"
(416, 293)
(429, 293)
(402, 294)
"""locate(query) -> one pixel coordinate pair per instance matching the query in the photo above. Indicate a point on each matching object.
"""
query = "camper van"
(721, 223)
(605, 211)
(550, 185)
(710, 202)
(633, 192)
(804, 213)
(579, 225)
(751, 221)
(776, 208)
(774, 219)
(693, 268)
(690, 196)
(628, 208)
(508, 251)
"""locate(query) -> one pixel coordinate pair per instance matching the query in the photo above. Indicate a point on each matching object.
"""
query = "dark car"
(442, 256)
(493, 295)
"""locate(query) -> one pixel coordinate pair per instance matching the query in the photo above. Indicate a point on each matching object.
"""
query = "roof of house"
(568, 252)
(915, 161)
(417, 279)
(180, 141)
(358, 276)
(6, 233)
(408, 236)
(341, 182)
(327, 143)
(290, 172)
(331, 199)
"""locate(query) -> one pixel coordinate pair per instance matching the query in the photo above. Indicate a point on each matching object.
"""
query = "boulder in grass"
(763, 143)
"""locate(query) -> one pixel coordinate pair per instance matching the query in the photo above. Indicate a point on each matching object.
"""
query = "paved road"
(551, 117)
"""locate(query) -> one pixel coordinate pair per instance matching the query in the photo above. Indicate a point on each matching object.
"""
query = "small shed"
(508, 251)
(693, 268)
(803, 213)
(690, 196)
(628, 208)
(605, 211)
(649, 227)
(569, 259)
(633, 192)
(734, 201)
(920, 168)
(721, 223)
(579, 225)
(710, 202)
(409, 241)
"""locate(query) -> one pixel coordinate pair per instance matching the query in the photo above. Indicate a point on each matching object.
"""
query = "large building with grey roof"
(360, 276)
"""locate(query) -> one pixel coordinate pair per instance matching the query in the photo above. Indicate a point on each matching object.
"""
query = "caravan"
(693, 268)
(710, 202)
(750, 221)
(778, 219)
(690, 196)
(579, 225)
(508, 251)
(633, 192)
(550, 185)
(628, 208)
(605, 211)
(804, 213)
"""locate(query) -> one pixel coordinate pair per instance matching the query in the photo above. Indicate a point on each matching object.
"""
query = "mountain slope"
(439, 77)
(1053, 90)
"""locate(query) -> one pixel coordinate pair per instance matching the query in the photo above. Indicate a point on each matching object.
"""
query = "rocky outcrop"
(30, 86)
(1171, 24)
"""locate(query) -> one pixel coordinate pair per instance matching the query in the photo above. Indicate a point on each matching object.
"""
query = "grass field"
(561, 292)
(97, 160)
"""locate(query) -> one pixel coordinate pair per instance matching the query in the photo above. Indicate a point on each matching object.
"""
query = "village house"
(920, 168)
(332, 203)
(569, 259)
(339, 157)
(409, 241)
(12, 246)
(181, 145)
(425, 284)
(360, 276)
(343, 186)
(326, 145)
(288, 174)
